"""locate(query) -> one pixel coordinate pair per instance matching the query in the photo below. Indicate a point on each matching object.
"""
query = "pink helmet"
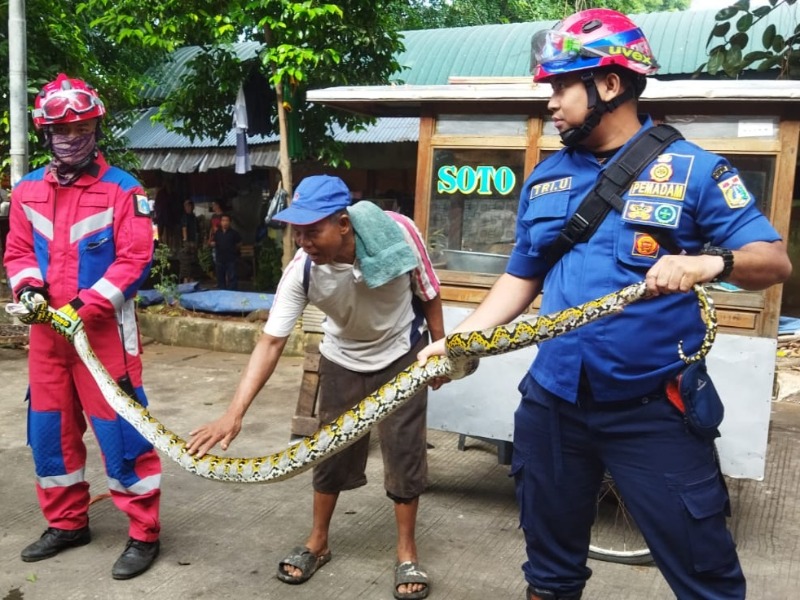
(598, 37)
(66, 100)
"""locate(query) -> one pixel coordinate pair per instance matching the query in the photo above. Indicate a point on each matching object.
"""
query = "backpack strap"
(605, 195)
(306, 274)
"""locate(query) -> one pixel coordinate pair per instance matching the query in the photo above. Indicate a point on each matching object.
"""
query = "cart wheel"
(615, 537)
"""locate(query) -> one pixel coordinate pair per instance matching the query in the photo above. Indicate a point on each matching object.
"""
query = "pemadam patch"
(644, 245)
(734, 192)
(141, 206)
(666, 178)
(659, 214)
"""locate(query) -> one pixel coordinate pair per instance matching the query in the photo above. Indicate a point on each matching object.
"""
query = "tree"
(734, 27)
(307, 44)
(57, 42)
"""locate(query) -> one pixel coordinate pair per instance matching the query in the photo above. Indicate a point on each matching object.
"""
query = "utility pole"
(17, 92)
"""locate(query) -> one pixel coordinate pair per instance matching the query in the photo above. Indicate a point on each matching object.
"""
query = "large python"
(463, 351)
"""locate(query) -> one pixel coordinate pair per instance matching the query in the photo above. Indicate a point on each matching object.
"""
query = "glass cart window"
(485, 125)
(705, 126)
(473, 211)
(758, 174)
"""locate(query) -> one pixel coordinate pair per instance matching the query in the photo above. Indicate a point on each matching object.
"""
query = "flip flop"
(410, 572)
(302, 558)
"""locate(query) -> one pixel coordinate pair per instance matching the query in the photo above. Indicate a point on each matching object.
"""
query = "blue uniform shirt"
(696, 195)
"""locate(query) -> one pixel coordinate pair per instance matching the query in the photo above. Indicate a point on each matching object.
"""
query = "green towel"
(381, 248)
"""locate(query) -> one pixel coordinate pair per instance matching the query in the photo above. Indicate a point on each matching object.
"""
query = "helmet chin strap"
(574, 136)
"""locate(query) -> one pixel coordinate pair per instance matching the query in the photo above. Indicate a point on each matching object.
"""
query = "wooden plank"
(737, 320)
(480, 141)
(311, 362)
(780, 214)
(734, 300)
(422, 198)
(304, 426)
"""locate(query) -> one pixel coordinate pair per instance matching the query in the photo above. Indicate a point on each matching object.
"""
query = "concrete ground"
(224, 540)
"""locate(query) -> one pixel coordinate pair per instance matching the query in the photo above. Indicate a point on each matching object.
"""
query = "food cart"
(479, 138)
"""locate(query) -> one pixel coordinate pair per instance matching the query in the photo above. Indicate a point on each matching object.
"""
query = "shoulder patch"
(141, 205)
(720, 171)
(734, 192)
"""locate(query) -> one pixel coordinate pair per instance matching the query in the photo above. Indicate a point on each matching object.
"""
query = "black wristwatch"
(727, 260)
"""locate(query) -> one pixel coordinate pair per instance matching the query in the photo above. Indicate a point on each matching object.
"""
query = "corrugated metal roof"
(189, 160)
(160, 149)
(145, 134)
(678, 40)
(431, 57)
(168, 76)
(385, 131)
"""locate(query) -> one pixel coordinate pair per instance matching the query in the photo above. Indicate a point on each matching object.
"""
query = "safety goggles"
(549, 46)
(56, 105)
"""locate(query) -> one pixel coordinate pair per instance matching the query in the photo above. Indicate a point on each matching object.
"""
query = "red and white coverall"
(93, 240)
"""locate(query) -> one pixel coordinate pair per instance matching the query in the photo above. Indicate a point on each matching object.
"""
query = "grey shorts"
(402, 434)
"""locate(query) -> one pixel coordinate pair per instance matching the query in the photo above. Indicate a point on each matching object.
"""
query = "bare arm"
(259, 369)
(432, 309)
(756, 266)
(507, 299)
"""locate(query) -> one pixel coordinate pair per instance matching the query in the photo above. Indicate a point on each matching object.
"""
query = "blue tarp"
(192, 297)
(788, 325)
(150, 297)
(224, 301)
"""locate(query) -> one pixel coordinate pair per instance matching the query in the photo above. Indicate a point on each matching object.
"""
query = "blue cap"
(316, 197)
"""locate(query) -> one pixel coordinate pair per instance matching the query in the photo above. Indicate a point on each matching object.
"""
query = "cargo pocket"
(707, 504)
(545, 216)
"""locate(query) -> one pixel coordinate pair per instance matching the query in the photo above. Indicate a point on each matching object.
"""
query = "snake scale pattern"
(463, 351)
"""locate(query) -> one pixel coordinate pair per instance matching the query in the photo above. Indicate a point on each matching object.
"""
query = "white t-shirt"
(365, 329)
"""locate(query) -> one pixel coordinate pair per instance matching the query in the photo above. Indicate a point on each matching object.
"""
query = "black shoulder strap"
(617, 176)
(306, 274)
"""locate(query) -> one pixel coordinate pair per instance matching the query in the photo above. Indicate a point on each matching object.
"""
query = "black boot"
(54, 541)
(136, 559)
(537, 594)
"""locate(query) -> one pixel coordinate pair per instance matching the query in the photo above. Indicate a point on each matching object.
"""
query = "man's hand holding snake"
(34, 299)
(678, 273)
(223, 431)
(66, 321)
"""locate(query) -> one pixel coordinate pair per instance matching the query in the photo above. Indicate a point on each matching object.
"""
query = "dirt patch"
(179, 311)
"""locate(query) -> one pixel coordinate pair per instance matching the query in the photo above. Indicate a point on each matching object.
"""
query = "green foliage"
(308, 44)
(58, 42)
(161, 269)
(734, 29)
(268, 265)
(205, 258)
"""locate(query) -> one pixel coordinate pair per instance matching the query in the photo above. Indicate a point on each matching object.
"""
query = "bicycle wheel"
(615, 537)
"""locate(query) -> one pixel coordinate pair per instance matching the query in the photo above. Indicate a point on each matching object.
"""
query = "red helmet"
(66, 100)
(598, 37)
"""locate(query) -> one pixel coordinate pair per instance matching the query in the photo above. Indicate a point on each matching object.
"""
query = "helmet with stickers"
(593, 38)
(586, 43)
(66, 100)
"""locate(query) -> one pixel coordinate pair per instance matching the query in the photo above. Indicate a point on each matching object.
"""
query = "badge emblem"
(734, 192)
(661, 172)
(644, 245)
(658, 214)
(141, 205)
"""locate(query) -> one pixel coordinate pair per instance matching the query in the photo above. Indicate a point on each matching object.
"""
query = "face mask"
(73, 150)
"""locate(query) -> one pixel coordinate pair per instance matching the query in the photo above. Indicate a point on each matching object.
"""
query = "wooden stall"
(478, 140)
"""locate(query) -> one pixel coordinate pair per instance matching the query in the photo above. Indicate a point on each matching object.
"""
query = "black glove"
(35, 300)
